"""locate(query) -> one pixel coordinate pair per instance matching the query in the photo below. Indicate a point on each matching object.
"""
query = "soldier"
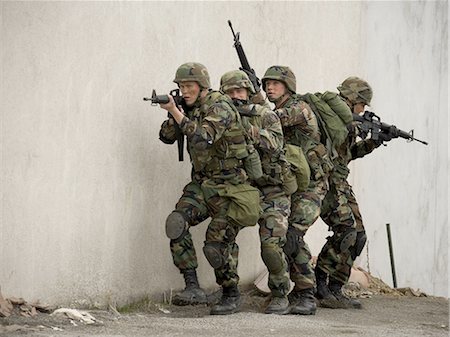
(267, 135)
(340, 210)
(191, 208)
(220, 155)
(301, 130)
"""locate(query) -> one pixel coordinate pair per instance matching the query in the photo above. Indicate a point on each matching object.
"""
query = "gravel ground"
(382, 315)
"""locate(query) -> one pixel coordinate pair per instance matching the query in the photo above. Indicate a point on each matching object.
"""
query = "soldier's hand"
(390, 133)
(393, 132)
(383, 137)
(253, 78)
(171, 106)
(258, 98)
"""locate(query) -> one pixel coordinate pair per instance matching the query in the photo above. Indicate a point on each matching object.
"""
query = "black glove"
(385, 137)
(382, 137)
(393, 132)
(253, 78)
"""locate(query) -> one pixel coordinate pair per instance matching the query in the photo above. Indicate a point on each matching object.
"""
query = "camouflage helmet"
(195, 72)
(236, 79)
(356, 90)
(280, 73)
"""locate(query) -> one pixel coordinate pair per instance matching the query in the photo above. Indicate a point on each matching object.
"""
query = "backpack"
(333, 115)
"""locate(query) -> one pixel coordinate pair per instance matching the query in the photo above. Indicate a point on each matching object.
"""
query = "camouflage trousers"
(305, 210)
(341, 213)
(197, 204)
(273, 226)
(193, 206)
(222, 231)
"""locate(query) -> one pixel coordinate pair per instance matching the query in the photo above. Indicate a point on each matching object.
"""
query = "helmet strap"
(280, 100)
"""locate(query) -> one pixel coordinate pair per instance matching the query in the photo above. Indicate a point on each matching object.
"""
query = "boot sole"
(357, 306)
(229, 312)
(332, 304)
(183, 302)
(277, 312)
(301, 312)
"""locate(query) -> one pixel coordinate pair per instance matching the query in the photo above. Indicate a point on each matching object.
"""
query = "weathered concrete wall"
(406, 184)
(86, 184)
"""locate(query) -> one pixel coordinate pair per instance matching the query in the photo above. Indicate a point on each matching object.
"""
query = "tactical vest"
(231, 155)
(276, 170)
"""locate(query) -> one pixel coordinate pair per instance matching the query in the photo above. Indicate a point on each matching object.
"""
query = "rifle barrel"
(232, 30)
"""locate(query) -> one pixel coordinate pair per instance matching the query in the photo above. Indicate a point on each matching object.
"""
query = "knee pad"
(272, 259)
(361, 239)
(215, 254)
(345, 240)
(294, 241)
(176, 225)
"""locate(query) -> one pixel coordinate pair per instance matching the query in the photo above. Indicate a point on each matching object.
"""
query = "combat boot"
(303, 302)
(336, 289)
(323, 294)
(229, 303)
(278, 305)
(192, 294)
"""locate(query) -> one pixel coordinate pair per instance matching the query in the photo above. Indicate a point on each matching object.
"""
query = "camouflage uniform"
(192, 207)
(340, 210)
(273, 223)
(267, 132)
(300, 128)
(218, 150)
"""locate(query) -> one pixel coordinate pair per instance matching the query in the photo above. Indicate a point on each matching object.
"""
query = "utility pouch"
(245, 208)
(252, 164)
(299, 166)
(273, 172)
(290, 184)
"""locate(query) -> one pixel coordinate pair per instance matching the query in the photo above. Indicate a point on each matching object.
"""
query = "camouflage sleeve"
(219, 117)
(270, 132)
(167, 132)
(363, 147)
(298, 113)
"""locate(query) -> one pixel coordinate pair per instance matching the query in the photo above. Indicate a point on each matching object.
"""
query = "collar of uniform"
(288, 97)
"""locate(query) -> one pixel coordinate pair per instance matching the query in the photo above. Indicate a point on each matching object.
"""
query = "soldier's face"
(358, 108)
(240, 93)
(275, 89)
(190, 91)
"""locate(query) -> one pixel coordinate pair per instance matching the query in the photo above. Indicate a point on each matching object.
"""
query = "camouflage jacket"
(167, 135)
(297, 118)
(351, 149)
(300, 128)
(266, 132)
(216, 139)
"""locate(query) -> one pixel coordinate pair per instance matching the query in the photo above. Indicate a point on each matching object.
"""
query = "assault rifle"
(245, 66)
(164, 99)
(371, 122)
